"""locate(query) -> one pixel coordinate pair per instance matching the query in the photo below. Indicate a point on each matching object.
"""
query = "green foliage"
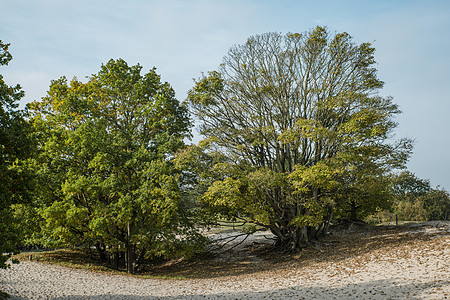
(106, 163)
(437, 204)
(15, 148)
(301, 130)
(416, 200)
(406, 184)
(411, 210)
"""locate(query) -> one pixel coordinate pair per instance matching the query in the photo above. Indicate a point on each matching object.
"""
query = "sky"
(183, 38)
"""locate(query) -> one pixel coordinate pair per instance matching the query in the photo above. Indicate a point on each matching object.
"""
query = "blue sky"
(183, 38)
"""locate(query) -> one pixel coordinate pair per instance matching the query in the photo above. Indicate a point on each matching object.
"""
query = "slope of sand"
(405, 262)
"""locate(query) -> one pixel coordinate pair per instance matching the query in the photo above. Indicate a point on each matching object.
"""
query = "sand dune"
(416, 267)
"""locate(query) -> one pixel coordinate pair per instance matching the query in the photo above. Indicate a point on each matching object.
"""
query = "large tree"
(298, 121)
(108, 179)
(15, 147)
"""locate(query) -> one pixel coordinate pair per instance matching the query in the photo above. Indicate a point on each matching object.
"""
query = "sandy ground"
(414, 268)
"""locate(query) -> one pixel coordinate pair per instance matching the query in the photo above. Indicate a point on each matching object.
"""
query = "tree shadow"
(345, 243)
(352, 241)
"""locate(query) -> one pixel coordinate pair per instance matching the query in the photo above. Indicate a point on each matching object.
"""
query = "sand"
(419, 269)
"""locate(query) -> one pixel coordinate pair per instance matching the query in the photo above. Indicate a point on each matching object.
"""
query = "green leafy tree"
(15, 148)
(416, 200)
(437, 204)
(406, 184)
(363, 185)
(300, 124)
(107, 150)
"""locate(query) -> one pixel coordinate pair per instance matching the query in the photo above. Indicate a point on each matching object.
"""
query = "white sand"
(421, 272)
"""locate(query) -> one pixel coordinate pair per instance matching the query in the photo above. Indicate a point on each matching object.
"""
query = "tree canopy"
(15, 147)
(296, 135)
(105, 162)
(302, 129)
(416, 200)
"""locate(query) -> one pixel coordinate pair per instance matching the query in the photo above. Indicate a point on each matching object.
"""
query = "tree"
(15, 147)
(416, 200)
(297, 117)
(107, 147)
(437, 204)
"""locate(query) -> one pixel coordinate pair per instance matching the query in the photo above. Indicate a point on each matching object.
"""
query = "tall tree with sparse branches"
(295, 117)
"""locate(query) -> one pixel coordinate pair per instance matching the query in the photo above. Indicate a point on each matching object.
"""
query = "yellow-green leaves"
(300, 127)
(107, 147)
(320, 176)
(204, 91)
(307, 129)
(225, 193)
(16, 146)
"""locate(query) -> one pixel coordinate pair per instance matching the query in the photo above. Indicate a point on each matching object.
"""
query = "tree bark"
(353, 211)
(130, 250)
(115, 260)
(101, 251)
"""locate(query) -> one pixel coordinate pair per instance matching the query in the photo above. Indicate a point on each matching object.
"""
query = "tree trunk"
(328, 219)
(101, 251)
(290, 237)
(115, 260)
(353, 211)
(304, 238)
(313, 232)
(292, 240)
(130, 251)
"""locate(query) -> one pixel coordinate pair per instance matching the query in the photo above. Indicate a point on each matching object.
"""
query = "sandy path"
(421, 272)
